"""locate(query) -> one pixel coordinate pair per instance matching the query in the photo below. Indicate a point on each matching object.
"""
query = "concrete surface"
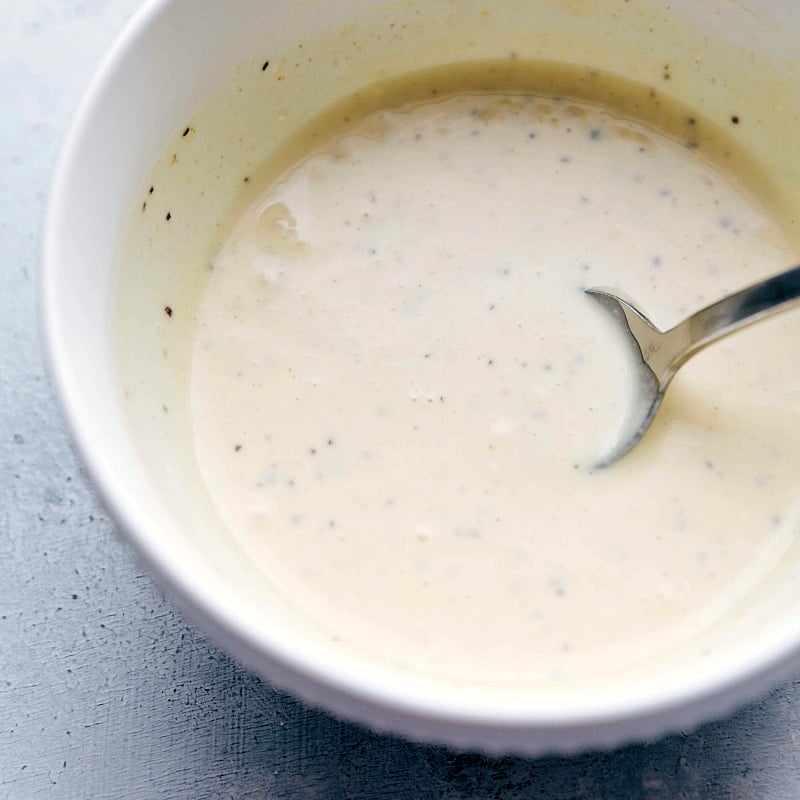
(105, 692)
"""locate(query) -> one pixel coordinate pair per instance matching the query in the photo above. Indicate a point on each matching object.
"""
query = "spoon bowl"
(657, 355)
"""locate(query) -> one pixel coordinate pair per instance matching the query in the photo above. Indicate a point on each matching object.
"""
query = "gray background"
(105, 692)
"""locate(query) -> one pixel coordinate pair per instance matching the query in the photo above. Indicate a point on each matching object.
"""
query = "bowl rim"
(424, 716)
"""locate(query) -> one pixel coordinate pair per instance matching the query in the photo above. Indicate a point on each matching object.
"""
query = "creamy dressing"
(399, 390)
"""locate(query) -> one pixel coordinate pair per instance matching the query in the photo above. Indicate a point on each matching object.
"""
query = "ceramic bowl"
(250, 70)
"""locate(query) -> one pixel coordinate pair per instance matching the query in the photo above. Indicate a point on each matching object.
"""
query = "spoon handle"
(733, 312)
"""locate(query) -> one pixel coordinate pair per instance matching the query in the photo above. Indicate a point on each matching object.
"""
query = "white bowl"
(172, 60)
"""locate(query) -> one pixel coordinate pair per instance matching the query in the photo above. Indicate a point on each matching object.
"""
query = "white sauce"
(399, 390)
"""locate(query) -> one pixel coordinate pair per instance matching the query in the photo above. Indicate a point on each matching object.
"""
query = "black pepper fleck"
(186, 132)
(169, 216)
(168, 310)
(264, 68)
(735, 119)
(237, 448)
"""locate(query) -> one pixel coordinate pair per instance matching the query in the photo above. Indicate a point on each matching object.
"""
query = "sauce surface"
(399, 390)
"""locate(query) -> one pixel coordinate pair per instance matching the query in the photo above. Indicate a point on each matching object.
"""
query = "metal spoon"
(659, 354)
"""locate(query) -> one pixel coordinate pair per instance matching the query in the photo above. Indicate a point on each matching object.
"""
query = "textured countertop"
(105, 692)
